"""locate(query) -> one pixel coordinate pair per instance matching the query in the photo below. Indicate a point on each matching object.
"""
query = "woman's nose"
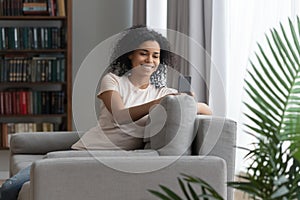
(149, 59)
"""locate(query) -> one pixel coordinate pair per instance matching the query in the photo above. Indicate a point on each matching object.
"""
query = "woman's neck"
(141, 82)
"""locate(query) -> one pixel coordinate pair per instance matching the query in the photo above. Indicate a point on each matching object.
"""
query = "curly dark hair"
(130, 40)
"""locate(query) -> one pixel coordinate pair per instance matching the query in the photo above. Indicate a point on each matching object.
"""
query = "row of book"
(7, 129)
(32, 7)
(22, 102)
(32, 69)
(31, 38)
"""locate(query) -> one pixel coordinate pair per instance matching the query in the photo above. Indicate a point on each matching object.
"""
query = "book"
(17, 100)
(61, 8)
(2, 107)
(35, 8)
(46, 127)
(7, 103)
(14, 102)
(23, 102)
(29, 102)
(10, 7)
(0, 136)
(4, 38)
(7, 129)
(35, 38)
(52, 7)
(4, 131)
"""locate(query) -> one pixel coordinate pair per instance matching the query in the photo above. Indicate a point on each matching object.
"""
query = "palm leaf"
(192, 191)
(183, 189)
(170, 193)
(273, 116)
(204, 185)
(189, 192)
(159, 195)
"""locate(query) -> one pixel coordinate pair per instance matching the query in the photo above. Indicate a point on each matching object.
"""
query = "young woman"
(136, 81)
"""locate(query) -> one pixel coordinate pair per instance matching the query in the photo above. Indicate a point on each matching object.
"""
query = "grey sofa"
(57, 172)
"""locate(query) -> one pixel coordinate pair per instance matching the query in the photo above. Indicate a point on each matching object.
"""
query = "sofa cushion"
(170, 128)
(24, 193)
(100, 153)
(87, 178)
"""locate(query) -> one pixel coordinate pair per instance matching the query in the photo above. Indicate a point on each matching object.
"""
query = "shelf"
(9, 51)
(25, 84)
(59, 92)
(33, 116)
(32, 17)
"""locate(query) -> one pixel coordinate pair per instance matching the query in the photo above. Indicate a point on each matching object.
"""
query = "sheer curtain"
(249, 21)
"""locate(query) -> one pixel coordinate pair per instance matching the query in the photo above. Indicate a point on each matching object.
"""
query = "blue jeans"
(11, 187)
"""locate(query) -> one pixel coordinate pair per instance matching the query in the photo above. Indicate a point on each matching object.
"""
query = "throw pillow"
(170, 127)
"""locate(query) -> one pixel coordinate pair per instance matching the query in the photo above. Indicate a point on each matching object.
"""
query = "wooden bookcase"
(35, 68)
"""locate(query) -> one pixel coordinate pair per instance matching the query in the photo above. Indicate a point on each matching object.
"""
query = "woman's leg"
(11, 187)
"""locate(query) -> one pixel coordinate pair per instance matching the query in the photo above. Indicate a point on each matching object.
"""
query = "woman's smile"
(148, 67)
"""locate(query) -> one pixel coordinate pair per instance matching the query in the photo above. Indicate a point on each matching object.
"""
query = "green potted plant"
(273, 118)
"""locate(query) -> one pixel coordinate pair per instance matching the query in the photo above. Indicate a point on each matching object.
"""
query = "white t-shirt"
(111, 135)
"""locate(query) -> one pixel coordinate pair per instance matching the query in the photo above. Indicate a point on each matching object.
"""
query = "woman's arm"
(113, 102)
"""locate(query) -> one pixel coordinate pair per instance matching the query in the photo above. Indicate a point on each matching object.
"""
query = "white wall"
(93, 22)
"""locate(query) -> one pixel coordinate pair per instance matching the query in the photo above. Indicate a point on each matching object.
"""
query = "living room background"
(96, 20)
(93, 22)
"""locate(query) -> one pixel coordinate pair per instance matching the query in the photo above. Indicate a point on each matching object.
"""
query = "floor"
(238, 195)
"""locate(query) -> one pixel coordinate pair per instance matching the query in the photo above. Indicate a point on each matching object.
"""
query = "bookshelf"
(35, 66)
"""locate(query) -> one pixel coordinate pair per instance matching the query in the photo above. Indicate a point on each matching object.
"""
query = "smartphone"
(184, 84)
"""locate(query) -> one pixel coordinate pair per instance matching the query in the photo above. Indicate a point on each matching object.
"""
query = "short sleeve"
(109, 82)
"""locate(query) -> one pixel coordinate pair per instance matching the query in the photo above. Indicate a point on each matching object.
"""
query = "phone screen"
(184, 84)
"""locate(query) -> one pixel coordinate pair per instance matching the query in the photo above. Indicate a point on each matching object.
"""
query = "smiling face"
(146, 58)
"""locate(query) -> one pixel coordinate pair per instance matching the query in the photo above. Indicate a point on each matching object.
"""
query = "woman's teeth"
(148, 66)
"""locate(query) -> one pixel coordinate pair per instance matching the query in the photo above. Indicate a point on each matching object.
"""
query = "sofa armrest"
(42, 142)
(135, 176)
(216, 136)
